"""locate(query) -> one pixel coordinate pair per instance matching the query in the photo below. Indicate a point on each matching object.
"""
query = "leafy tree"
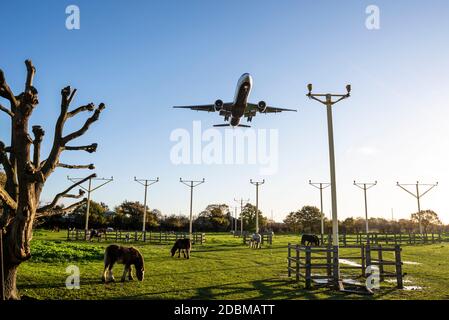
(97, 215)
(428, 219)
(175, 223)
(308, 219)
(214, 218)
(249, 218)
(129, 215)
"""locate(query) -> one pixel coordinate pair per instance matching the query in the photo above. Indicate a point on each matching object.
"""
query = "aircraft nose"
(246, 78)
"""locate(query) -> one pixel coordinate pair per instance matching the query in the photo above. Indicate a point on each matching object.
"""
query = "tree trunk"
(11, 292)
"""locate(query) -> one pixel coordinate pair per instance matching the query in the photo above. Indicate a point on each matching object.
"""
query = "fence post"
(329, 262)
(298, 271)
(362, 255)
(397, 251)
(335, 265)
(344, 239)
(289, 262)
(308, 268)
(368, 255)
(381, 262)
(68, 234)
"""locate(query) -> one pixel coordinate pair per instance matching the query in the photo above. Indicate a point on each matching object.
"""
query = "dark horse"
(182, 244)
(308, 239)
(123, 255)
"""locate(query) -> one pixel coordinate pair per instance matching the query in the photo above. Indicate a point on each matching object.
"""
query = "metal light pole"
(321, 186)
(364, 187)
(328, 102)
(235, 219)
(257, 184)
(146, 183)
(191, 184)
(89, 190)
(241, 200)
(418, 196)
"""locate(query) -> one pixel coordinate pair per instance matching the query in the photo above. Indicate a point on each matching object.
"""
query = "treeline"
(129, 216)
(308, 220)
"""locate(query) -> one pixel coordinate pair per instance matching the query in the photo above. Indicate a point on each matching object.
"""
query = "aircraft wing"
(206, 107)
(254, 108)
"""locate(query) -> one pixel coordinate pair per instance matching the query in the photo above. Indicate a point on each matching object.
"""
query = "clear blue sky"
(142, 57)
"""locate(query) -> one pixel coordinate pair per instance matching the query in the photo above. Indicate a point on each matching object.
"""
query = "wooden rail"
(134, 236)
(384, 238)
(321, 263)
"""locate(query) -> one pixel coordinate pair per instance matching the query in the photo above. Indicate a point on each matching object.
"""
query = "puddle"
(352, 281)
(412, 263)
(413, 288)
(394, 281)
(349, 263)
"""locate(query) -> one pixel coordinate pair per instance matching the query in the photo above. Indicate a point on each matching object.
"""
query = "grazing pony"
(308, 239)
(255, 241)
(183, 245)
(123, 255)
(97, 233)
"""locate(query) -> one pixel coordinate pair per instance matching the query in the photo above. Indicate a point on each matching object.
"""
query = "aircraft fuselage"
(244, 86)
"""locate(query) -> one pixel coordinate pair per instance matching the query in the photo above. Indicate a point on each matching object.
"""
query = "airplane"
(239, 108)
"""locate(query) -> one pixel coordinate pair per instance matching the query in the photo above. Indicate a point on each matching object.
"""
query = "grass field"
(220, 269)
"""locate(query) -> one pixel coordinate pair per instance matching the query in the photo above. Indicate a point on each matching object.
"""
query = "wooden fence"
(135, 236)
(266, 238)
(383, 238)
(308, 263)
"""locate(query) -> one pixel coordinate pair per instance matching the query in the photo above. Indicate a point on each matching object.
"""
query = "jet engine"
(218, 105)
(262, 106)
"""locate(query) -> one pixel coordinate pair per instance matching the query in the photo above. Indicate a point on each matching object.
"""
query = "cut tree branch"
(50, 164)
(86, 125)
(38, 137)
(7, 200)
(62, 194)
(90, 148)
(88, 107)
(69, 209)
(81, 193)
(6, 92)
(31, 70)
(69, 166)
(6, 110)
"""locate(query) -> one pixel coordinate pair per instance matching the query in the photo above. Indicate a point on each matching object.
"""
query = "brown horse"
(182, 244)
(123, 255)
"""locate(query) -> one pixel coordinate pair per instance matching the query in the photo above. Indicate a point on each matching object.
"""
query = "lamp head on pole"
(309, 87)
(348, 89)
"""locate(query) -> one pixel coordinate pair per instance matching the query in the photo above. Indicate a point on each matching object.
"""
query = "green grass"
(220, 269)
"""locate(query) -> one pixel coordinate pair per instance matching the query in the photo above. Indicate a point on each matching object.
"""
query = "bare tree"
(26, 173)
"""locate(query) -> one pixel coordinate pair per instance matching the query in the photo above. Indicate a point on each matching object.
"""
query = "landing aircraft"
(240, 107)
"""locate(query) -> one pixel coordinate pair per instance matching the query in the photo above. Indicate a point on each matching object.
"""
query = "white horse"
(255, 241)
